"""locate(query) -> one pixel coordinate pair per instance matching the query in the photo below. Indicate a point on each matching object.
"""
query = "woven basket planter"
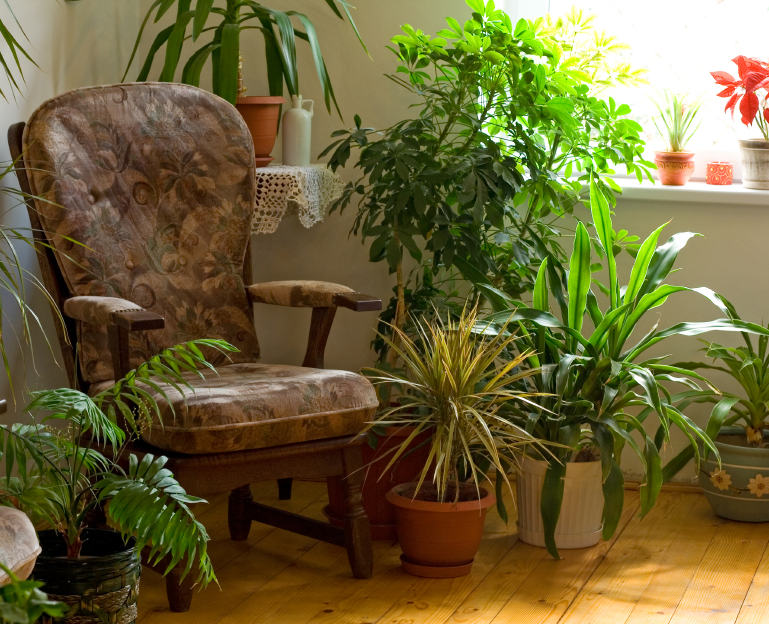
(101, 587)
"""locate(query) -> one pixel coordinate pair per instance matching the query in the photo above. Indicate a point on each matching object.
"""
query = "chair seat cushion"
(251, 406)
(19, 547)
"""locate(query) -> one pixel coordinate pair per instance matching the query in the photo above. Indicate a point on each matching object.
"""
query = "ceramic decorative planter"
(378, 482)
(439, 540)
(579, 525)
(755, 163)
(102, 586)
(297, 133)
(261, 114)
(740, 491)
(674, 168)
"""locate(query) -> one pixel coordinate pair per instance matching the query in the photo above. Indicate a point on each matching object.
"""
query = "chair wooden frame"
(203, 475)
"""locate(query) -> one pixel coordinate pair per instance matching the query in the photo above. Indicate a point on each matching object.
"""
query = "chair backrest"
(156, 183)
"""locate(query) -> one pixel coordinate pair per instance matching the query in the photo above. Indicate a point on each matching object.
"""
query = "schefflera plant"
(591, 384)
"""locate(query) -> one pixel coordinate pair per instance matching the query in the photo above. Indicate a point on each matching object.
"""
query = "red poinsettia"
(753, 76)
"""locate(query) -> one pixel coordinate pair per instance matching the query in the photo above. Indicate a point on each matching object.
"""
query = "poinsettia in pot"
(591, 386)
(456, 387)
(57, 473)
(738, 488)
(750, 92)
(677, 112)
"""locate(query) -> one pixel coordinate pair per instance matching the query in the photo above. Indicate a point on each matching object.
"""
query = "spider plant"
(22, 602)
(231, 18)
(676, 114)
(454, 385)
(56, 472)
(590, 384)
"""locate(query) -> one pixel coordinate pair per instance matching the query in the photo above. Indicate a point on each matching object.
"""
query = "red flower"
(753, 75)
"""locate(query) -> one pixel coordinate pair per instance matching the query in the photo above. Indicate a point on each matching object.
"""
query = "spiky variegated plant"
(55, 472)
(454, 386)
(676, 115)
(592, 381)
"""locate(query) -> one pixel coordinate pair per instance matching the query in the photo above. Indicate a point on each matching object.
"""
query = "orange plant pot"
(378, 481)
(261, 114)
(674, 168)
(439, 540)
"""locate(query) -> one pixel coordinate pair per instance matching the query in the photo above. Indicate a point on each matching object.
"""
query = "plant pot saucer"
(425, 571)
(378, 531)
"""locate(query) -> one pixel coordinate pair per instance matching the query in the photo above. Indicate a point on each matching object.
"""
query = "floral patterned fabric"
(250, 406)
(157, 183)
(297, 293)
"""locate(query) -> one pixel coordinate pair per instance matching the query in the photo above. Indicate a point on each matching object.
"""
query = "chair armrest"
(312, 294)
(111, 311)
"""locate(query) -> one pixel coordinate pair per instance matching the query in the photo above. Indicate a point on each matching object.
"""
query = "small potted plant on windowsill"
(57, 473)
(675, 165)
(743, 92)
(456, 387)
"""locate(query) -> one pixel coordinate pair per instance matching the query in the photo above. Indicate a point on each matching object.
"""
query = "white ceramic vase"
(297, 132)
(755, 163)
(579, 525)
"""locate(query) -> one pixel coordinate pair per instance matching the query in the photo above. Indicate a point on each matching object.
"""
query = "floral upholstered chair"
(156, 181)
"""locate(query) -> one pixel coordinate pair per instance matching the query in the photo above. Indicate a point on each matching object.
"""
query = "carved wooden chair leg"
(237, 517)
(357, 531)
(284, 489)
(178, 590)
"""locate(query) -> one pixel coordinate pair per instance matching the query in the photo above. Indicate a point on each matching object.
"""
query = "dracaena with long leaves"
(595, 377)
(56, 472)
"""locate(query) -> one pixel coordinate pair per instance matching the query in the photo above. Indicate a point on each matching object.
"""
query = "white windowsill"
(694, 191)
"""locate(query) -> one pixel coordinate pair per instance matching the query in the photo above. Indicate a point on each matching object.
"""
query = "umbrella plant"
(56, 472)
(597, 380)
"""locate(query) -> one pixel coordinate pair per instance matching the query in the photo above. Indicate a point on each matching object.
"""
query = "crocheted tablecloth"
(308, 191)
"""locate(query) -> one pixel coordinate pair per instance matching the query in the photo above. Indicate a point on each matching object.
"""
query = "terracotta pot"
(378, 482)
(261, 115)
(674, 168)
(439, 540)
(755, 163)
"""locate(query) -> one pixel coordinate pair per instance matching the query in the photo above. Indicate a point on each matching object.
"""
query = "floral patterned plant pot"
(740, 490)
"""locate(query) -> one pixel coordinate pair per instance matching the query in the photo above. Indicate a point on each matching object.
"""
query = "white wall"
(75, 44)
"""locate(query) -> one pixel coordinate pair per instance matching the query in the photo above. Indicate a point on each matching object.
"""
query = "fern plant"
(56, 472)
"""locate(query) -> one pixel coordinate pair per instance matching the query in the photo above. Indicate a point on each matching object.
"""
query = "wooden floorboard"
(680, 564)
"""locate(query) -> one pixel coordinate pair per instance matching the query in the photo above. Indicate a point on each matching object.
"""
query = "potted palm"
(592, 385)
(676, 114)
(739, 425)
(456, 385)
(744, 92)
(67, 464)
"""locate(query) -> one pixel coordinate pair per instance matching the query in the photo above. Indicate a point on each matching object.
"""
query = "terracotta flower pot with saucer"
(261, 114)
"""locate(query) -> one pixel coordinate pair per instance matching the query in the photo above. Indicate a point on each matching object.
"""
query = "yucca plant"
(592, 385)
(676, 115)
(454, 385)
(232, 17)
(56, 473)
(22, 602)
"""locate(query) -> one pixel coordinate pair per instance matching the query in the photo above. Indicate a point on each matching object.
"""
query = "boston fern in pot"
(595, 379)
(68, 463)
(454, 387)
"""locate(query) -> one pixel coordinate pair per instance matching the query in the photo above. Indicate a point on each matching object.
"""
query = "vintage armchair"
(156, 181)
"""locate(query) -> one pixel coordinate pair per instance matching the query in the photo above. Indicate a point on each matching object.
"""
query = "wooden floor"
(680, 564)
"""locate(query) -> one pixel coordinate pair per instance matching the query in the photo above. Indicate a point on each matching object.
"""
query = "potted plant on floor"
(57, 473)
(676, 114)
(749, 92)
(739, 426)
(588, 382)
(456, 386)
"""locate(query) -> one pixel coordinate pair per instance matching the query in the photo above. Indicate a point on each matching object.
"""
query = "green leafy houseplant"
(476, 180)
(58, 474)
(676, 115)
(22, 602)
(230, 19)
(592, 383)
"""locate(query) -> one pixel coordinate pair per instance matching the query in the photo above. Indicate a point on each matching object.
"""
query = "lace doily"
(308, 191)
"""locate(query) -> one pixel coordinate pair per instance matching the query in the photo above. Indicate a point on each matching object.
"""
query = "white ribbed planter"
(755, 163)
(579, 525)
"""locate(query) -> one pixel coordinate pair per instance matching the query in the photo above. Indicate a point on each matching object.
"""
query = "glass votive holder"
(719, 173)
